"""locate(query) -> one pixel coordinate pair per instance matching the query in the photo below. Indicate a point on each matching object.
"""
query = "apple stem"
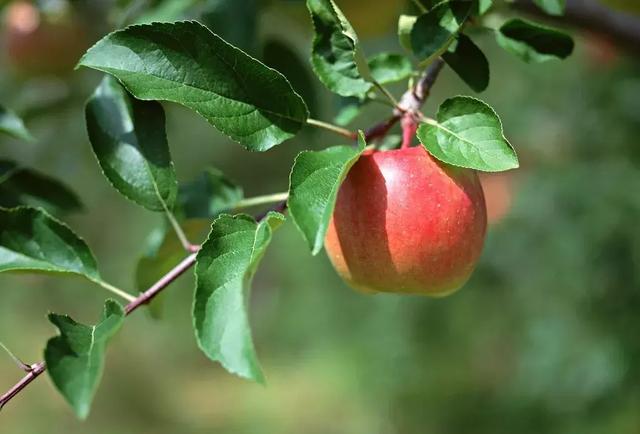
(409, 128)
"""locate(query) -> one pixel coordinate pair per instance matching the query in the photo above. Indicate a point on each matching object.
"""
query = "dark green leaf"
(12, 125)
(208, 195)
(552, 7)
(224, 269)
(236, 21)
(246, 100)
(468, 61)
(315, 180)
(405, 24)
(284, 58)
(533, 42)
(468, 133)
(22, 186)
(433, 31)
(389, 68)
(75, 358)
(336, 55)
(32, 240)
(130, 142)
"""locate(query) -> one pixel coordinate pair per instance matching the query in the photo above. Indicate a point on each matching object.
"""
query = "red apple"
(407, 223)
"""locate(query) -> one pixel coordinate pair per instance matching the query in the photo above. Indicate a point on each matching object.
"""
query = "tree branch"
(590, 15)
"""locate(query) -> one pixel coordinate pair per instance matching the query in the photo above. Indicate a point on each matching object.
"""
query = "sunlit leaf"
(336, 54)
(225, 267)
(75, 358)
(315, 180)
(468, 133)
(246, 100)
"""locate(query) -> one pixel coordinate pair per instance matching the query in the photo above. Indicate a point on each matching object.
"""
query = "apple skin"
(407, 223)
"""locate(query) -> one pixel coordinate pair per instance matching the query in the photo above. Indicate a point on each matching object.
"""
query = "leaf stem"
(15, 358)
(261, 200)
(186, 244)
(386, 93)
(117, 291)
(333, 128)
(409, 127)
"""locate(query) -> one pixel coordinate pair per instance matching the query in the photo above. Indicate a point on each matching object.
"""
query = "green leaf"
(389, 68)
(13, 126)
(336, 55)
(347, 113)
(130, 142)
(533, 42)
(552, 7)
(22, 186)
(225, 267)
(405, 24)
(285, 58)
(468, 133)
(246, 100)
(433, 31)
(75, 358)
(32, 240)
(236, 21)
(314, 183)
(468, 61)
(483, 6)
(208, 195)
(163, 251)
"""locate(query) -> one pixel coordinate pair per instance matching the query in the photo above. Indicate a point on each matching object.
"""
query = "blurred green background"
(543, 339)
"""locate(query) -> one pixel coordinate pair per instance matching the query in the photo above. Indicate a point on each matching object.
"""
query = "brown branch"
(621, 28)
